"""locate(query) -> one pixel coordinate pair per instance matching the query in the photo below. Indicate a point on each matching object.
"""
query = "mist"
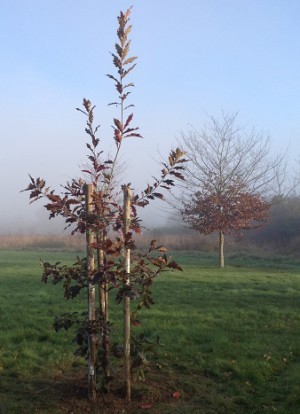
(49, 65)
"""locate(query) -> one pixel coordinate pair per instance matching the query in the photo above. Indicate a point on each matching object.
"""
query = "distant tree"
(228, 212)
(229, 178)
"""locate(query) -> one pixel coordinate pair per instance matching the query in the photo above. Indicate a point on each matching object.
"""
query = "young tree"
(229, 178)
(93, 206)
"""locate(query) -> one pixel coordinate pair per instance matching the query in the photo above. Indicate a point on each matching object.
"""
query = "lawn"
(229, 339)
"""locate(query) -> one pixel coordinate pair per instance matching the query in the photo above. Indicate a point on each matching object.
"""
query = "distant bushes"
(41, 242)
(181, 238)
(176, 238)
(280, 236)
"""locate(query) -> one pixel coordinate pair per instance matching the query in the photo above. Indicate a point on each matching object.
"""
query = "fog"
(193, 59)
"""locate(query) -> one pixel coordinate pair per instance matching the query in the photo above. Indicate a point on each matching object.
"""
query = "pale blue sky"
(195, 57)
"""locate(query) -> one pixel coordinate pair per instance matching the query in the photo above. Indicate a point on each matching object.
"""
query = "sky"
(195, 57)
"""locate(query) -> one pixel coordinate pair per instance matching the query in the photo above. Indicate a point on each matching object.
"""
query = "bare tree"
(226, 162)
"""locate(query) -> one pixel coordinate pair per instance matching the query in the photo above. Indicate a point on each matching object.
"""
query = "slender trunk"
(100, 265)
(92, 340)
(221, 248)
(103, 298)
(126, 300)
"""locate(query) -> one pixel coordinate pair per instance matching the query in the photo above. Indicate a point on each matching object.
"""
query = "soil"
(71, 395)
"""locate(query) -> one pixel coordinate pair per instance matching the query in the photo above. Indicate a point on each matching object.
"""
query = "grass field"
(230, 339)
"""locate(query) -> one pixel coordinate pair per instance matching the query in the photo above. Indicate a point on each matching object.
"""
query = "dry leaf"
(145, 406)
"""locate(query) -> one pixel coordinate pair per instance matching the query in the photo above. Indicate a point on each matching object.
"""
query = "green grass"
(230, 338)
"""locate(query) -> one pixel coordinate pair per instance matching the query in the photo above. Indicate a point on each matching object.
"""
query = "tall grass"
(229, 339)
(41, 242)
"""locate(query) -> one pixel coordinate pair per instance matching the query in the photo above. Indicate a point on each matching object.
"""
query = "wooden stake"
(100, 264)
(103, 297)
(92, 341)
(126, 300)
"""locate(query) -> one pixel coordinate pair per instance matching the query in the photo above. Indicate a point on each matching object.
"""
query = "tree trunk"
(92, 340)
(126, 300)
(221, 248)
(103, 298)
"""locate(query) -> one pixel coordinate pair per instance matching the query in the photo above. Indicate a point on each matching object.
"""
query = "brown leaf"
(118, 124)
(158, 195)
(161, 249)
(130, 60)
(134, 135)
(174, 265)
(145, 406)
(152, 245)
(128, 121)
